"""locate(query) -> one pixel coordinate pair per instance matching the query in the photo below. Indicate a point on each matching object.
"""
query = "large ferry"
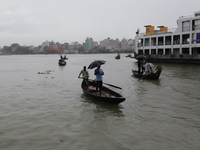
(171, 45)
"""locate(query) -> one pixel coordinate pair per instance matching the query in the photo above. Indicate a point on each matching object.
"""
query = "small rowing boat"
(106, 94)
(147, 76)
(61, 62)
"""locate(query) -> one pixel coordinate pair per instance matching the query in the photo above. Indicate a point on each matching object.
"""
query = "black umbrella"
(141, 57)
(96, 63)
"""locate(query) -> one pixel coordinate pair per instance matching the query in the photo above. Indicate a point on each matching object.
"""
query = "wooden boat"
(106, 95)
(61, 62)
(117, 57)
(152, 76)
(128, 55)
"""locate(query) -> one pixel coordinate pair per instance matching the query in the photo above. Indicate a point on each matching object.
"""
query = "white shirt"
(85, 74)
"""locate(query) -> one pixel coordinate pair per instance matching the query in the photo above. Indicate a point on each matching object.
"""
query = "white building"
(182, 42)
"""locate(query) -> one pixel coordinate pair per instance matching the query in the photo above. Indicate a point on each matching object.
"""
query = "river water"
(42, 106)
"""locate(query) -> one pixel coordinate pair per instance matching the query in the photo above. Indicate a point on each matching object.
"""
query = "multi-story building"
(124, 44)
(182, 42)
(88, 43)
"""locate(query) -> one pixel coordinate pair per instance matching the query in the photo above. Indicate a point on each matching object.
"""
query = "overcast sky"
(31, 22)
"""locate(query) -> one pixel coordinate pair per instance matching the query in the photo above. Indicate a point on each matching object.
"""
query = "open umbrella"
(148, 65)
(96, 63)
(141, 57)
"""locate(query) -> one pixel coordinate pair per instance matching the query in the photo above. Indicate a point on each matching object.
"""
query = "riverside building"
(171, 45)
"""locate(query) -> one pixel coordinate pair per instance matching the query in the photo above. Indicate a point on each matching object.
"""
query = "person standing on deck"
(99, 79)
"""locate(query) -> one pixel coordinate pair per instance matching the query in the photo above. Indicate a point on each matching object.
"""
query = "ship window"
(160, 51)
(197, 14)
(153, 42)
(185, 39)
(197, 24)
(198, 38)
(196, 51)
(167, 51)
(153, 51)
(160, 41)
(146, 51)
(176, 39)
(146, 43)
(186, 26)
(168, 40)
(185, 51)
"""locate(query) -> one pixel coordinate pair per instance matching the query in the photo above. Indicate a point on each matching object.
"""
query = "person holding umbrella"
(139, 65)
(99, 79)
(143, 65)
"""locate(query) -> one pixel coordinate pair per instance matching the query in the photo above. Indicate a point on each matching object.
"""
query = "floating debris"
(43, 73)
(46, 72)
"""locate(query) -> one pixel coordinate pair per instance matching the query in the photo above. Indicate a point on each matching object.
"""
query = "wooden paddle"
(106, 84)
(112, 85)
(145, 75)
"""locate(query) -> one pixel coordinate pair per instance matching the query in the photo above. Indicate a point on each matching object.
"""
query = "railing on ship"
(174, 56)
(155, 32)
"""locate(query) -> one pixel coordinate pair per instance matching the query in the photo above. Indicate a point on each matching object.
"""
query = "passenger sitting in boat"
(61, 57)
(158, 69)
(149, 71)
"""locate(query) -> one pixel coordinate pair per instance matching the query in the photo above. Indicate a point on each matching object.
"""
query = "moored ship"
(171, 45)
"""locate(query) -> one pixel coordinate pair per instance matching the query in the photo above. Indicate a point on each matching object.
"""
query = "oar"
(146, 75)
(112, 85)
(87, 79)
(105, 83)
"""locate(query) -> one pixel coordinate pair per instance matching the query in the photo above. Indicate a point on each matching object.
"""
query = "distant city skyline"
(89, 46)
(69, 42)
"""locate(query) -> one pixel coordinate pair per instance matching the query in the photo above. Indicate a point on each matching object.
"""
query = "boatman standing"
(84, 72)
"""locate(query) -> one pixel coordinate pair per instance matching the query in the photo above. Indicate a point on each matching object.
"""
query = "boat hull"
(117, 57)
(62, 63)
(152, 76)
(107, 95)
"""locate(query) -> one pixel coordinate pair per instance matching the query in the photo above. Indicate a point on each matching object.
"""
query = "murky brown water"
(50, 111)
